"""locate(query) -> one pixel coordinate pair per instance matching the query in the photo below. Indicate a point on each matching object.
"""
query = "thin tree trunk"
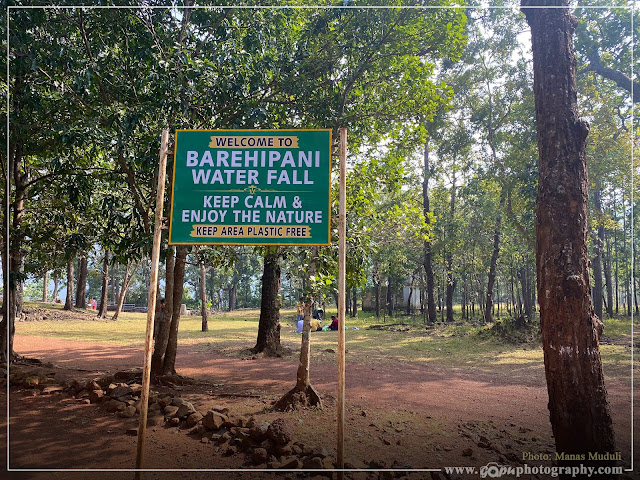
(55, 287)
(233, 293)
(169, 361)
(68, 304)
(102, 308)
(428, 267)
(81, 288)
(126, 283)
(45, 287)
(607, 275)
(451, 282)
(494, 261)
(203, 297)
(596, 261)
(578, 405)
(354, 303)
(389, 298)
(268, 340)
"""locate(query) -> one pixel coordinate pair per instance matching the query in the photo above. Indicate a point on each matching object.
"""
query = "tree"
(578, 404)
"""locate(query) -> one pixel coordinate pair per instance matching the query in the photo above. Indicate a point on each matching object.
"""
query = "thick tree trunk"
(68, 304)
(428, 268)
(102, 307)
(81, 288)
(596, 261)
(233, 295)
(169, 361)
(164, 323)
(579, 409)
(203, 297)
(488, 317)
(269, 324)
(45, 287)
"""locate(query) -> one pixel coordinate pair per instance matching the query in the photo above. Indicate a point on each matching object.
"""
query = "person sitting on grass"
(316, 325)
(334, 323)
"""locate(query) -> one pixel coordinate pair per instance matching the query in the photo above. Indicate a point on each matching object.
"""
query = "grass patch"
(402, 339)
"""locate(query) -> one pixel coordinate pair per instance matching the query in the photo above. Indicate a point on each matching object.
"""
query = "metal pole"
(342, 251)
(151, 310)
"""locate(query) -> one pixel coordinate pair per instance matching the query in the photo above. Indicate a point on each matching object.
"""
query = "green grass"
(233, 333)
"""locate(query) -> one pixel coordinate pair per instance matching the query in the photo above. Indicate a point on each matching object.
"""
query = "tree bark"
(488, 317)
(169, 361)
(354, 303)
(126, 283)
(68, 304)
(45, 287)
(596, 261)
(607, 277)
(389, 297)
(578, 405)
(268, 340)
(451, 282)
(203, 297)
(162, 338)
(55, 288)
(428, 267)
(102, 308)
(81, 288)
(233, 295)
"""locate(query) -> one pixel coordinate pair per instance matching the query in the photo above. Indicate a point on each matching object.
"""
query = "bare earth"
(416, 416)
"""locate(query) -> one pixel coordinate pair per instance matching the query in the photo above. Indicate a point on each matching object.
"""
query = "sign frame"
(281, 241)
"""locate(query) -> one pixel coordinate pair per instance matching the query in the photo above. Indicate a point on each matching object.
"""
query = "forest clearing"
(450, 395)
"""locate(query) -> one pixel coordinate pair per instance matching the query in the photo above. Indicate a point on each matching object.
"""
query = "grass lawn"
(402, 339)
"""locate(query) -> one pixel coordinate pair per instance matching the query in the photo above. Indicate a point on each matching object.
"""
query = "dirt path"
(430, 409)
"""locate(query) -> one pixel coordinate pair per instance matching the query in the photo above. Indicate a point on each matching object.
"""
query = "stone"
(155, 420)
(284, 450)
(231, 450)
(92, 385)
(132, 431)
(31, 382)
(170, 410)
(121, 391)
(467, 452)
(296, 450)
(115, 406)
(104, 381)
(96, 396)
(204, 440)
(273, 465)
(177, 401)
(52, 389)
(193, 419)
(319, 452)
(174, 422)
(258, 456)
(136, 388)
(279, 431)
(155, 407)
(314, 463)
(259, 431)
(127, 412)
(290, 462)
(220, 408)
(185, 409)
(214, 420)
(164, 401)
(328, 463)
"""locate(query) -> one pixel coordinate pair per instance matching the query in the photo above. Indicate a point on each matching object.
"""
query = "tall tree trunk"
(354, 303)
(596, 261)
(169, 361)
(68, 304)
(233, 295)
(81, 288)
(162, 337)
(428, 268)
(451, 282)
(45, 287)
(126, 283)
(389, 297)
(55, 288)
(494, 260)
(203, 297)
(268, 340)
(579, 409)
(102, 307)
(377, 285)
(607, 276)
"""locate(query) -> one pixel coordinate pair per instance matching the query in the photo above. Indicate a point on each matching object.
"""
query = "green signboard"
(251, 187)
